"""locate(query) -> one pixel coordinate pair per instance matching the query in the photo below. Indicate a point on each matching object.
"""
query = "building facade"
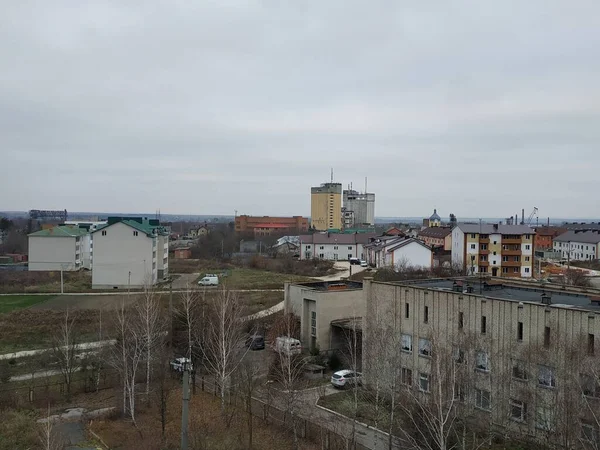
(495, 249)
(129, 252)
(395, 252)
(513, 361)
(544, 237)
(267, 224)
(334, 246)
(578, 245)
(437, 237)
(326, 207)
(359, 209)
(59, 248)
(320, 303)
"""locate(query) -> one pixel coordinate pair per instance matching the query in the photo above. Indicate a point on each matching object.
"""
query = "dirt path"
(344, 268)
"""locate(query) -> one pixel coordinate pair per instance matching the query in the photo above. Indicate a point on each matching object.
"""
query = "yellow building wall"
(321, 207)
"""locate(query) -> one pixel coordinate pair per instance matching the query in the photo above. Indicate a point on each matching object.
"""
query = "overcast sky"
(479, 108)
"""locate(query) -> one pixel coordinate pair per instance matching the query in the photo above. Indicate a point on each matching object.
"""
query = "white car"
(346, 378)
(363, 263)
(178, 364)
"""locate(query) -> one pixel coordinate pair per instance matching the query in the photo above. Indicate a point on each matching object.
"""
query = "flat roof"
(504, 290)
(332, 286)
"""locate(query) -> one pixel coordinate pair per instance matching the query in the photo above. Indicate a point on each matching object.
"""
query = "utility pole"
(129, 284)
(171, 313)
(62, 284)
(184, 408)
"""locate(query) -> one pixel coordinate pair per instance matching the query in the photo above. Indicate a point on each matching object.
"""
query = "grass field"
(257, 279)
(10, 303)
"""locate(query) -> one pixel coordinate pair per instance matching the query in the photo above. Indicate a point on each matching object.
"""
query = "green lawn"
(10, 303)
(256, 279)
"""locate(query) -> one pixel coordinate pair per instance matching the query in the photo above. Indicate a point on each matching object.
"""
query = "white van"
(288, 345)
(209, 281)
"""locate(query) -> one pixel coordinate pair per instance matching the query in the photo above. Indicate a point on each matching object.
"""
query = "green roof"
(61, 231)
(147, 227)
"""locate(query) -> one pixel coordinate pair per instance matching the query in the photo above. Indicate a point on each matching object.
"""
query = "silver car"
(346, 378)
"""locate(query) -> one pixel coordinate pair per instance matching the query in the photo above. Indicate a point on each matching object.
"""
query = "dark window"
(546, 337)
(483, 324)
(520, 331)
(426, 315)
(406, 310)
(460, 320)
(590, 344)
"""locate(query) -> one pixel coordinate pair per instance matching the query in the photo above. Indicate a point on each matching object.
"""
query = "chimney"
(523, 216)
(495, 227)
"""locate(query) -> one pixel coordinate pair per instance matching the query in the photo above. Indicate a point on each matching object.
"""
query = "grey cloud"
(206, 108)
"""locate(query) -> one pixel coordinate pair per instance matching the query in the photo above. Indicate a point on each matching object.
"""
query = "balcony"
(484, 263)
(511, 241)
(511, 253)
(511, 263)
(484, 240)
(484, 252)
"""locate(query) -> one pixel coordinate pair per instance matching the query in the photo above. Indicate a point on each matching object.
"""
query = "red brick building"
(182, 253)
(544, 238)
(267, 225)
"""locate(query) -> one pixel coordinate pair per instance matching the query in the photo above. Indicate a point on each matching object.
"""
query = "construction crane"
(533, 213)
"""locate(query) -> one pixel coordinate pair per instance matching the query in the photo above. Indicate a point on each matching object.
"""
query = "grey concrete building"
(359, 208)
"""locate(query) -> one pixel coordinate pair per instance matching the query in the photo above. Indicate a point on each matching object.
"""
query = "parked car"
(346, 378)
(209, 281)
(288, 345)
(354, 261)
(363, 263)
(178, 364)
(255, 342)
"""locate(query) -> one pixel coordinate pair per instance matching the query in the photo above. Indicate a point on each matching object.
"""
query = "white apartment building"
(578, 245)
(395, 251)
(59, 248)
(129, 252)
(334, 246)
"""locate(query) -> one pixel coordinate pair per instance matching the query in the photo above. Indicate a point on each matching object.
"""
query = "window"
(322, 255)
(519, 331)
(407, 343)
(461, 317)
(526, 269)
(528, 247)
(589, 432)
(472, 235)
(335, 247)
(349, 247)
(313, 323)
(546, 376)
(423, 382)
(349, 255)
(519, 370)
(505, 258)
(516, 259)
(518, 410)
(590, 348)
(321, 248)
(515, 270)
(308, 247)
(426, 314)
(135, 233)
(546, 337)
(459, 356)
(424, 347)
(483, 258)
(589, 385)
(406, 310)
(482, 399)
(483, 247)
(406, 376)
(544, 419)
(104, 233)
(527, 259)
(482, 362)
(472, 246)
(495, 242)
(494, 252)
(483, 324)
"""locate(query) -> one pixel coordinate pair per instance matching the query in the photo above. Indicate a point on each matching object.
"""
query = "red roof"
(273, 225)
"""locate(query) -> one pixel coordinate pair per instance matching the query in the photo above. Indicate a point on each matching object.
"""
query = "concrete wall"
(52, 253)
(162, 257)
(413, 254)
(329, 305)
(119, 253)
(332, 252)
(458, 247)
(579, 251)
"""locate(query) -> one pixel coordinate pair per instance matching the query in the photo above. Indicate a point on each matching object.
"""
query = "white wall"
(333, 252)
(580, 251)
(458, 247)
(119, 253)
(414, 254)
(162, 256)
(52, 253)
(85, 251)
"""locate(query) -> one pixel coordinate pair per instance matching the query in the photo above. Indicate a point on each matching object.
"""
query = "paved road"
(344, 268)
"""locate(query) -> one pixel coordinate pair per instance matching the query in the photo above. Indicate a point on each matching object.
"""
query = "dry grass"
(208, 429)
(26, 282)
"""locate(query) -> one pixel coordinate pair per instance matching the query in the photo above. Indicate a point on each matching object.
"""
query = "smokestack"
(365, 185)
(548, 221)
(523, 216)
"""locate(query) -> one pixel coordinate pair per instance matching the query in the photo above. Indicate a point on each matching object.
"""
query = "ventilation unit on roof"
(546, 299)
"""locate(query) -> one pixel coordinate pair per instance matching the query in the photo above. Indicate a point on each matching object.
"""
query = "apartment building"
(544, 237)
(501, 357)
(129, 252)
(358, 209)
(334, 246)
(495, 249)
(395, 251)
(326, 207)
(57, 248)
(578, 245)
(267, 225)
(440, 237)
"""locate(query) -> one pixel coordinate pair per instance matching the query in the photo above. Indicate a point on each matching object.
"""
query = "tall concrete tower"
(326, 206)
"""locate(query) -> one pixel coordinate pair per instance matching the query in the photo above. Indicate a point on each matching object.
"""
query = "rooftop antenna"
(365, 185)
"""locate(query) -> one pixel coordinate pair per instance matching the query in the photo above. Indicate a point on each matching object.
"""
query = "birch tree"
(151, 327)
(64, 349)
(190, 312)
(223, 346)
(48, 435)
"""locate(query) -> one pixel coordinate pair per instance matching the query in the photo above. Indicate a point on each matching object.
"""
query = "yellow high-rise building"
(326, 206)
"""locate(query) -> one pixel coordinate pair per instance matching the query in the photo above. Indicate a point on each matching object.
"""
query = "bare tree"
(163, 383)
(223, 346)
(64, 349)
(248, 376)
(49, 437)
(190, 312)
(151, 327)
